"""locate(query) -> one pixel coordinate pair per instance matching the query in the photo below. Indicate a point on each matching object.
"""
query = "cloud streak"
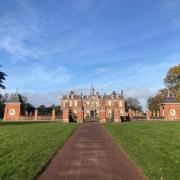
(103, 69)
(35, 75)
(172, 7)
(19, 27)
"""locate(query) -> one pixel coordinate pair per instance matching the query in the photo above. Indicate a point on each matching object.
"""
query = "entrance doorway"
(72, 117)
(93, 115)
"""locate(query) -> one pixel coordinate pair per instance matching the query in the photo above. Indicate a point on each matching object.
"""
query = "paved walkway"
(91, 154)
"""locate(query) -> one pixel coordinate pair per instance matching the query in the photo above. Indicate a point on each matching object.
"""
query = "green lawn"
(25, 148)
(154, 146)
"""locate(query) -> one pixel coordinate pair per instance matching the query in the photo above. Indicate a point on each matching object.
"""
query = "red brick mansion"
(93, 106)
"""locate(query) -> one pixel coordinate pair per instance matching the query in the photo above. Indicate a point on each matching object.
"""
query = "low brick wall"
(26, 118)
(44, 118)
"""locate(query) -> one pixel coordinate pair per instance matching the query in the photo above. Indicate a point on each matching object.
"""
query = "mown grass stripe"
(154, 146)
(26, 148)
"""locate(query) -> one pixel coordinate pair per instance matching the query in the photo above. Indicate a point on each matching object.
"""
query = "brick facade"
(53, 115)
(116, 115)
(94, 105)
(66, 115)
(170, 111)
(13, 107)
(80, 115)
(102, 115)
(12, 111)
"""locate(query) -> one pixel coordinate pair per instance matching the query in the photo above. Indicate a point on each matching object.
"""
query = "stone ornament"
(172, 112)
(12, 112)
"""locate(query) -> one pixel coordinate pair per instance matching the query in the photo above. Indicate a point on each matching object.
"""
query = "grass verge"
(154, 146)
(26, 148)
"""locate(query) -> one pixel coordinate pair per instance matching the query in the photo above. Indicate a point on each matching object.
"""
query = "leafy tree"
(57, 109)
(2, 106)
(133, 104)
(27, 109)
(172, 81)
(153, 103)
(2, 78)
(163, 92)
(44, 111)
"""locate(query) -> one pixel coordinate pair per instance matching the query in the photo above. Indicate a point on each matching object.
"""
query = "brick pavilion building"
(170, 109)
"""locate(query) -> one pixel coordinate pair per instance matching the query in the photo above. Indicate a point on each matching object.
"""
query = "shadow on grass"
(23, 122)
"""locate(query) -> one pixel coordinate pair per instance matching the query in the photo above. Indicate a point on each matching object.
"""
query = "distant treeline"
(28, 109)
(46, 111)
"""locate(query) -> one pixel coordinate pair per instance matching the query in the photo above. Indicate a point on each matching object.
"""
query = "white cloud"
(44, 98)
(142, 94)
(102, 69)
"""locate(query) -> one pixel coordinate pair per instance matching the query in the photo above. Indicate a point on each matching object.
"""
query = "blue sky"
(50, 47)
